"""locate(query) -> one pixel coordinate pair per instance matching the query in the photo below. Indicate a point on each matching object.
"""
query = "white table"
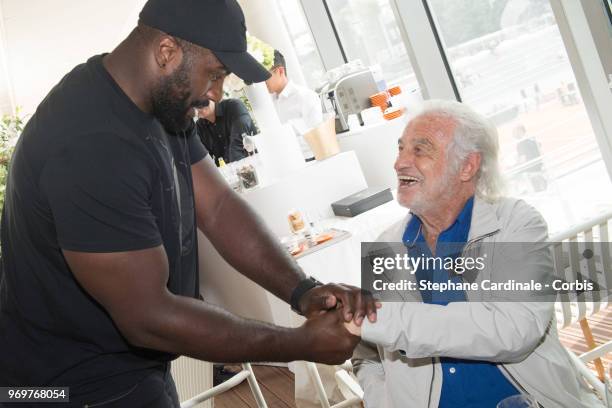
(341, 262)
(312, 188)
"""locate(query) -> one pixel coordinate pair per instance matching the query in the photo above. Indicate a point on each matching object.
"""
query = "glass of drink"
(296, 221)
(518, 401)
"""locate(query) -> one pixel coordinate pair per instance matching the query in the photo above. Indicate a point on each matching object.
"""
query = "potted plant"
(11, 127)
(234, 87)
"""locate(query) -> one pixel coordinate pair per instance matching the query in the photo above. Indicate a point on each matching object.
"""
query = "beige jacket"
(403, 369)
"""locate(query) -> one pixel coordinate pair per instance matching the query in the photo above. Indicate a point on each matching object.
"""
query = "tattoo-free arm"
(131, 286)
(243, 240)
(240, 235)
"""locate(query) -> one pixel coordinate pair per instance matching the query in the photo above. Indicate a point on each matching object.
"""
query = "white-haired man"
(443, 350)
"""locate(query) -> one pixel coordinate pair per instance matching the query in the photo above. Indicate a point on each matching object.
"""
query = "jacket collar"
(484, 220)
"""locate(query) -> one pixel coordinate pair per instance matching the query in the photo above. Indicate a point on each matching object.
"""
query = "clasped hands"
(335, 313)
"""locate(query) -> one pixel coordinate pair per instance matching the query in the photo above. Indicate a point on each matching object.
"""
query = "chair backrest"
(583, 253)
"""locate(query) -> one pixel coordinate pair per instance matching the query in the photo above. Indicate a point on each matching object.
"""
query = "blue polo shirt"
(465, 383)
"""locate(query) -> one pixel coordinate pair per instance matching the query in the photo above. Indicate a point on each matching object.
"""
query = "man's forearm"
(241, 237)
(200, 330)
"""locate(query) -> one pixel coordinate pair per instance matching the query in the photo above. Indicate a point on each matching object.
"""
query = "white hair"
(473, 134)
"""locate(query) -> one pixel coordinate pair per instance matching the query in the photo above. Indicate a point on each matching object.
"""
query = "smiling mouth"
(407, 181)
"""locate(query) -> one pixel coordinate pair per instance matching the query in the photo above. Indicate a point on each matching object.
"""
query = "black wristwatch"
(299, 291)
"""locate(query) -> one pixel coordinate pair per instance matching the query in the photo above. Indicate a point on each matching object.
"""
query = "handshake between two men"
(335, 313)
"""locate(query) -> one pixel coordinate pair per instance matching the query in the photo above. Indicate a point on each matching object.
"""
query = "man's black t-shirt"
(223, 139)
(91, 173)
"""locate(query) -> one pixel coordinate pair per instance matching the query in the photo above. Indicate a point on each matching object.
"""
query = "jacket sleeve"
(498, 331)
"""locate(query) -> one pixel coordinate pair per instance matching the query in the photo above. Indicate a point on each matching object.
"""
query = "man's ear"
(168, 54)
(470, 166)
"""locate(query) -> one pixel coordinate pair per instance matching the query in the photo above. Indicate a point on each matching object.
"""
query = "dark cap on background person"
(217, 25)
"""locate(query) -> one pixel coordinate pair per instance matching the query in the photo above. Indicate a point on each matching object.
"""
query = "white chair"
(347, 384)
(192, 375)
(568, 254)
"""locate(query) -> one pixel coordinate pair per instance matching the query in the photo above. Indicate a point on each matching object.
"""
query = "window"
(510, 64)
(303, 42)
(369, 31)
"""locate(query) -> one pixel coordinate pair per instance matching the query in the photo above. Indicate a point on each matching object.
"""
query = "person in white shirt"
(295, 104)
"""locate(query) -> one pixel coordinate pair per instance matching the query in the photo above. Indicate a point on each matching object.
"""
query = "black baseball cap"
(214, 24)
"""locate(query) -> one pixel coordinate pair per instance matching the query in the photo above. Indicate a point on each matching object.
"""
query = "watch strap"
(304, 286)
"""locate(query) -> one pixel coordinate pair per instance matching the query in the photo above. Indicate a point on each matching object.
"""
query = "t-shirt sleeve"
(197, 151)
(99, 193)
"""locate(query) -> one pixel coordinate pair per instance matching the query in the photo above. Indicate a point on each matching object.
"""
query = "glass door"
(368, 31)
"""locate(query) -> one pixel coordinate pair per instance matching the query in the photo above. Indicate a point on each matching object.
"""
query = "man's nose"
(404, 160)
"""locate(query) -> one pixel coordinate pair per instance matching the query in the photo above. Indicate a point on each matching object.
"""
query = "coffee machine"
(348, 95)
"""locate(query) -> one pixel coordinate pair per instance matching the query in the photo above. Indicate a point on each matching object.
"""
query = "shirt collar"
(220, 109)
(465, 216)
(219, 112)
(457, 232)
(288, 90)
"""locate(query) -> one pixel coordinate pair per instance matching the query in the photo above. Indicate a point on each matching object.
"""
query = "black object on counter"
(362, 201)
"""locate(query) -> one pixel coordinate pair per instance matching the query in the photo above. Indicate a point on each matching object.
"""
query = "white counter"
(376, 149)
(312, 188)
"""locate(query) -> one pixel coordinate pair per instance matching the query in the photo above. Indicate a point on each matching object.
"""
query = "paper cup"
(322, 139)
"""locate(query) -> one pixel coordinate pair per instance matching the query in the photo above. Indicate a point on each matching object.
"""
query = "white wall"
(6, 92)
(45, 39)
(264, 21)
